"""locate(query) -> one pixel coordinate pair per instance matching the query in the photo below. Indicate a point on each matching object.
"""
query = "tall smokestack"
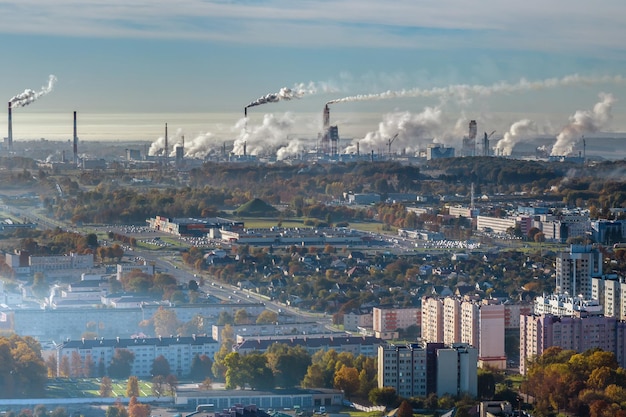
(166, 150)
(326, 117)
(75, 141)
(245, 144)
(10, 132)
(245, 112)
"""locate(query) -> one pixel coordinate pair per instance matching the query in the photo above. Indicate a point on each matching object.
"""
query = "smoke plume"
(518, 131)
(29, 96)
(414, 131)
(581, 122)
(462, 92)
(268, 136)
(297, 91)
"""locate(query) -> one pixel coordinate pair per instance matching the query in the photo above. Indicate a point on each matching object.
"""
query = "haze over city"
(422, 69)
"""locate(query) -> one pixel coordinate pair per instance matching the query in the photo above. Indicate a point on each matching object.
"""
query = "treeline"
(23, 373)
(589, 383)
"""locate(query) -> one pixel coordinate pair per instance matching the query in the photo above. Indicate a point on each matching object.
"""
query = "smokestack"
(245, 144)
(357, 148)
(245, 112)
(166, 150)
(10, 132)
(326, 117)
(75, 141)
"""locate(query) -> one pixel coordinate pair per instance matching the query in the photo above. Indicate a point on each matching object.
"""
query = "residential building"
(576, 268)
(415, 370)
(357, 345)
(386, 321)
(432, 319)
(179, 351)
(578, 333)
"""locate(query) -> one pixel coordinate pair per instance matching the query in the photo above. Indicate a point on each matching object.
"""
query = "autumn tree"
(76, 365)
(137, 409)
(267, 317)
(64, 367)
(116, 410)
(106, 387)
(172, 383)
(347, 380)
(165, 322)
(405, 409)
(386, 396)
(132, 387)
(158, 386)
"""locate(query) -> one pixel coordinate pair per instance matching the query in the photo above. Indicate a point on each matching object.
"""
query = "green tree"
(200, 367)
(386, 396)
(121, 363)
(267, 317)
(288, 364)
(160, 366)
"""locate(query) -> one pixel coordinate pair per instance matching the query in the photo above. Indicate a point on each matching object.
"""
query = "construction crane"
(390, 141)
(486, 143)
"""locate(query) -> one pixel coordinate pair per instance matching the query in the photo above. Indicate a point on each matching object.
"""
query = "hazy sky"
(219, 55)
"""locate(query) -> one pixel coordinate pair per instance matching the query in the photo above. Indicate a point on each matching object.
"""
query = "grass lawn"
(90, 387)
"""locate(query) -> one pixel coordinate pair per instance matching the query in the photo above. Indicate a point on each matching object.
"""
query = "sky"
(217, 56)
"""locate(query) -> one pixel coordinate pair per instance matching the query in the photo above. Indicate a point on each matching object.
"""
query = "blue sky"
(218, 55)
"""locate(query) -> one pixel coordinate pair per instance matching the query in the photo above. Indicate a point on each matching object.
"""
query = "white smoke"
(413, 130)
(294, 148)
(518, 131)
(298, 91)
(463, 92)
(269, 135)
(157, 147)
(29, 96)
(581, 122)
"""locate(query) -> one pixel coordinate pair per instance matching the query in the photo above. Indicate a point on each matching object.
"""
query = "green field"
(90, 387)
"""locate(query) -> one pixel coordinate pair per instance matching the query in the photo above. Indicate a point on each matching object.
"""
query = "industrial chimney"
(10, 132)
(75, 141)
(166, 150)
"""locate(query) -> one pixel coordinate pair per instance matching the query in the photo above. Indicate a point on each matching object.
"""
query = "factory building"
(193, 227)
(438, 151)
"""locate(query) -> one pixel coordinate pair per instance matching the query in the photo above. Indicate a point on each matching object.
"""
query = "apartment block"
(179, 351)
(578, 333)
(415, 370)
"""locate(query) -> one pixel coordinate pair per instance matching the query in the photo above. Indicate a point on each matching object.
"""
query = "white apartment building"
(179, 351)
(451, 322)
(353, 321)
(432, 319)
(610, 291)
(576, 268)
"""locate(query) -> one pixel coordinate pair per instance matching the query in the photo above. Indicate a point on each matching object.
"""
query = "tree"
(40, 288)
(59, 412)
(106, 387)
(225, 318)
(241, 317)
(288, 364)
(158, 386)
(172, 383)
(76, 365)
(89, 367)
(386, 396)
(64, 367)
(314, 377)
(200, 367)
(267, 317)
(116, 410)
(137, 409)
(165, 322)
(121, 363)
(160, 366)
(347, 380)
(405, 409)
(192, 285)
(51, 364)
(207, 384)
(132, 387)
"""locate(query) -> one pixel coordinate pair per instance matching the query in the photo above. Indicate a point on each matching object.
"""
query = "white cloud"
(532, 24)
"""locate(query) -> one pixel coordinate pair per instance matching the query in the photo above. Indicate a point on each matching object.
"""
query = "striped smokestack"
(166, 150)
